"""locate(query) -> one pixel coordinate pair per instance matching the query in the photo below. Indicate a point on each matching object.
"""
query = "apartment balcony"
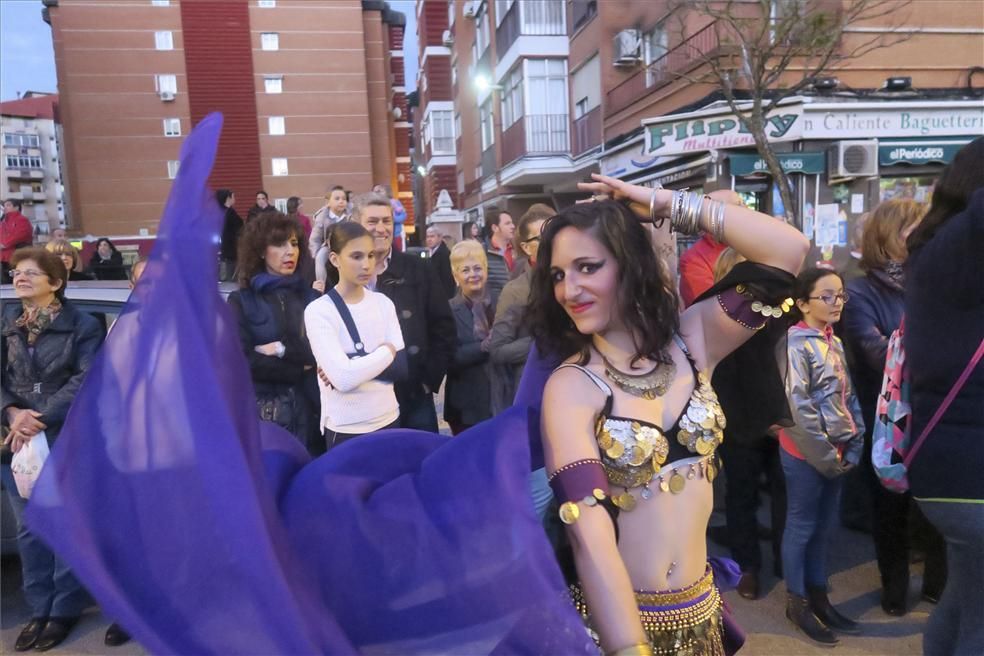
(587, 132)
(662, 71)
(540, 18)
(544, 134)
(28, 194)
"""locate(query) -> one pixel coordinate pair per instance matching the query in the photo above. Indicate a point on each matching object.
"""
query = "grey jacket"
(466, 391)
(510, 342)
(829, 425)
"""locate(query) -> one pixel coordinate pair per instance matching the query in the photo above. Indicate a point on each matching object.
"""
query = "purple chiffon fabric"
(202, 530)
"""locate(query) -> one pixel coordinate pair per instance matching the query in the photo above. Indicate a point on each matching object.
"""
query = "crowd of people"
(741, 363)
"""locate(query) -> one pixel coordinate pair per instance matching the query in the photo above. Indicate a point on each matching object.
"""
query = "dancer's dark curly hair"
(646, 299)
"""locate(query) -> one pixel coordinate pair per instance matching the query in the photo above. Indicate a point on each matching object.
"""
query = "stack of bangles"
(690, 213)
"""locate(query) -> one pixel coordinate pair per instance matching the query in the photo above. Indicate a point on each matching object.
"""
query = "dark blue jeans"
(419, 414)
(50, 588)
(812, 502)
(956, 626)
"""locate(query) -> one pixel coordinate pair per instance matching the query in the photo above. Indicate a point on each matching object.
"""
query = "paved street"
(855, 582)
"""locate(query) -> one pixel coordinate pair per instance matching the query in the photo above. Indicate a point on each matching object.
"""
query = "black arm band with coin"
(582, 481)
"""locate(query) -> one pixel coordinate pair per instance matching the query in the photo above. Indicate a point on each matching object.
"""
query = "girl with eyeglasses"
(825, 443)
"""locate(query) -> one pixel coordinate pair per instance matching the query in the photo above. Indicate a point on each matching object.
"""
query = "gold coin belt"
(695, 630)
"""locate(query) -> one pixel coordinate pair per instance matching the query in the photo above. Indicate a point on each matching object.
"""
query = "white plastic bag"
(27, 463)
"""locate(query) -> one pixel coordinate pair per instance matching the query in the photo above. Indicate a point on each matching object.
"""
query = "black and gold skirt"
(684, 622)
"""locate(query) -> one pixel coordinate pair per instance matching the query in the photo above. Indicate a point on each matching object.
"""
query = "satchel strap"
(946, 404)
(347, 319)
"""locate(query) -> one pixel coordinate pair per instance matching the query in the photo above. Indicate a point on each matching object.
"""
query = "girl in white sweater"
(356, 375)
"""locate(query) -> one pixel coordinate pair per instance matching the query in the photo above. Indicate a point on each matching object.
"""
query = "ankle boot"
(823, 609)
(798, 612)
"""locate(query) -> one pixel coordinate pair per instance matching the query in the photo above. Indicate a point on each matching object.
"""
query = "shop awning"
(752, 164)
(917, 152)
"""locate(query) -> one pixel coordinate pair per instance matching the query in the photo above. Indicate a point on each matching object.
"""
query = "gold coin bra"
(633, 452)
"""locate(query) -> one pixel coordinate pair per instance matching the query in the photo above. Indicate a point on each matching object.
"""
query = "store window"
(918, 188)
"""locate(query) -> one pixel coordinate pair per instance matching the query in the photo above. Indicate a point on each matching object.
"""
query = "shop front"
(843, 156)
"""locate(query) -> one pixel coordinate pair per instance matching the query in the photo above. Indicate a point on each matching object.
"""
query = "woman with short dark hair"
(48, 346)
(269, 307)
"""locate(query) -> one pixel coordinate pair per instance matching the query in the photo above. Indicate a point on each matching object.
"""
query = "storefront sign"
(892, 119)
(917, 153)
(804, 118)
(808, 163)
(672, 135)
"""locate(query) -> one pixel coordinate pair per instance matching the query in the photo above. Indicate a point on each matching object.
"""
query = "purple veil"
(203, 530)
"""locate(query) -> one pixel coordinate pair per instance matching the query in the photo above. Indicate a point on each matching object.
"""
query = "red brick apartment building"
(546, 91)
(312, 92)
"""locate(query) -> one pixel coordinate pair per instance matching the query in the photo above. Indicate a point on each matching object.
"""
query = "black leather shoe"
(823, 609)
(798, 612)
(29, 634)
(931, 597)
(748, 586)
(55, 632)
(116, 636)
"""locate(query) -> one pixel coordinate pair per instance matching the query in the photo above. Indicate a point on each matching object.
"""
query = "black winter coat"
(875, 311)
(232, 227)
(111, 269)
(425, 319)
(468, 393)
(48, 380)
(274, 316)
(441, 261)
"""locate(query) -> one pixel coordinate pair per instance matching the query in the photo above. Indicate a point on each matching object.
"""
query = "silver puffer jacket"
(829, 429)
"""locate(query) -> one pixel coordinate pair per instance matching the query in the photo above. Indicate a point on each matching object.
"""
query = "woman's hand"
(273, 348)
(24, 424)
(324, 377)
(637, 196)
(391, 348)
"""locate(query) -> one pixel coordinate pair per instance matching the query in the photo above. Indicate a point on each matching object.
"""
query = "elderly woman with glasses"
(48, 346)
(467, 398)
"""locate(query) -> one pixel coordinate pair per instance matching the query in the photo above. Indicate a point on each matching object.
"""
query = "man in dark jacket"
(499, 250)
(429, 330)
(232, 227)
(440, 257)
(262, 205)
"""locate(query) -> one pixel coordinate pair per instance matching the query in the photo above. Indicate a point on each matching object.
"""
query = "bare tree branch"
(766, 51)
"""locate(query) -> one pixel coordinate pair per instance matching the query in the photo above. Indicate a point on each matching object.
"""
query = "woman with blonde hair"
(468, 395)
(874, 313)
(69, 255)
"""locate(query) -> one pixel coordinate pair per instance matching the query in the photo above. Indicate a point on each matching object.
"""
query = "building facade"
(545, 93)
(434, 115)
(311, 92)
(31, 137)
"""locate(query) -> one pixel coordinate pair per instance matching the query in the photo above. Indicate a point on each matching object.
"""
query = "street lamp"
(421, 170)
(483, 83)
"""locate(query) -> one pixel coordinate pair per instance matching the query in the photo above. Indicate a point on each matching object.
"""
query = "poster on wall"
(827, 228)
(808, 220)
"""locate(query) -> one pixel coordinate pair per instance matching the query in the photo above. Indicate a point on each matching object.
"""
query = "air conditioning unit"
(470, 9)
(853, 159)
(628, 47)
(167, 96)
(447, 38)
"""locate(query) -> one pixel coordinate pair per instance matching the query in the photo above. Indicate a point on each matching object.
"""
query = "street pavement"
(855, 590)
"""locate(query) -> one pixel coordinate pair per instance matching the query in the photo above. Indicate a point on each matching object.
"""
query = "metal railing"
(548, 133)
(587, 131)
(678, 60)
